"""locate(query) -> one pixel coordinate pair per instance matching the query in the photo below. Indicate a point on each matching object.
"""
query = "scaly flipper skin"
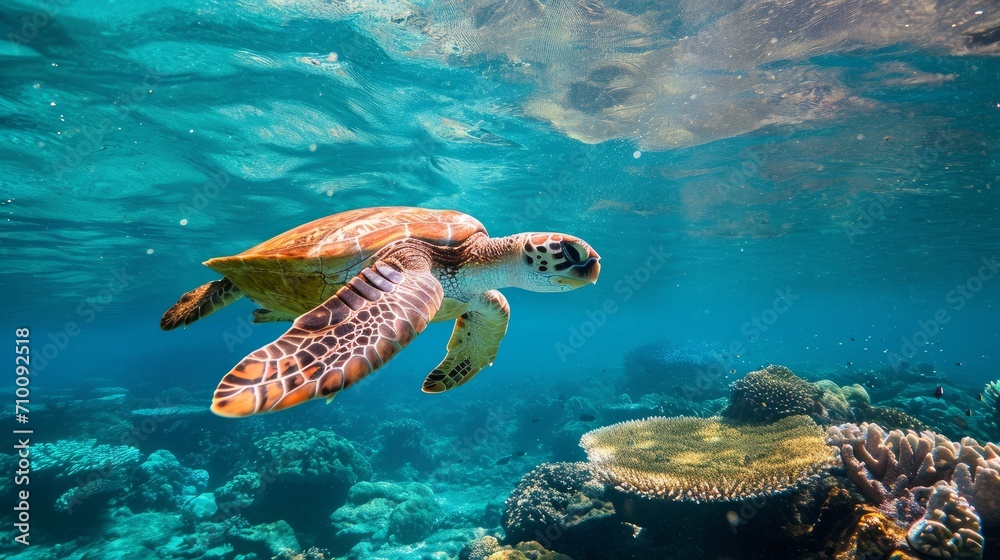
(199, 303)
(353, 333)
(474, 342)
(268, 316)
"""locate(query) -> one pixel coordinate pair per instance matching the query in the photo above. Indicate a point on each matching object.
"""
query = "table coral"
(950, 528)
(69, 458)
(772, 393)
(707, 459)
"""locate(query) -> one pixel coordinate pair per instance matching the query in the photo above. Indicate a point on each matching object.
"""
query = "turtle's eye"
(572, 253)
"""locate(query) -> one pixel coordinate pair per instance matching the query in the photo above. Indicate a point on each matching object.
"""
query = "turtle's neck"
(495, 263)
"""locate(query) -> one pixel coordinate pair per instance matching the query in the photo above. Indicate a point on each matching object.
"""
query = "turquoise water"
(718, 156)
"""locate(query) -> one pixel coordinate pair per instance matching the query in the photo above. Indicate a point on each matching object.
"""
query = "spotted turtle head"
(556, 262)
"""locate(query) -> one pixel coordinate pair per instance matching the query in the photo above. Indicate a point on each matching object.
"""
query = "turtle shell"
(299, 269)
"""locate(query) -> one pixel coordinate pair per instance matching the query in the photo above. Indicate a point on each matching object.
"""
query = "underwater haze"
(798, 183)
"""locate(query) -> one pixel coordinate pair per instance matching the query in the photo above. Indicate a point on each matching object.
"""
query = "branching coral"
(888, 466)
(707, 459)
(771, 393)
(950, 528)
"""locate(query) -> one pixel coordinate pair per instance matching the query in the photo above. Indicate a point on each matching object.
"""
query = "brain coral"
(771, 393)
(561, 497)
(707, 459)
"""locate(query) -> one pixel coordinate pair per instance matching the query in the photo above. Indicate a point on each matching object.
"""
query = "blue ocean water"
(812, 184)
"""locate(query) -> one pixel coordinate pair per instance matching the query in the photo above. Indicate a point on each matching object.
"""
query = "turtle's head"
(556, 262)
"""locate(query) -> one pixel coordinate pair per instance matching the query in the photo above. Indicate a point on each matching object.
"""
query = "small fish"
(958, 363)
(535, 420)
(732, 370)
(503, 461)
(939, 392)
(849, 364)
(587, 417)
(520, 453)
(853, 339)
(968, 412)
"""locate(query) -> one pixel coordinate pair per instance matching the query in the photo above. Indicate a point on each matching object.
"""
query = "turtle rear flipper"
(474, 342)
(335, 345)
(200, 302)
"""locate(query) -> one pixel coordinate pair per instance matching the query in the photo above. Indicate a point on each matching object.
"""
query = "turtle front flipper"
(328, 349)
(474, 342)
(200, 302)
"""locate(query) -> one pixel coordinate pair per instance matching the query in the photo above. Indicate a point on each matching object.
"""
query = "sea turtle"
(360, 285)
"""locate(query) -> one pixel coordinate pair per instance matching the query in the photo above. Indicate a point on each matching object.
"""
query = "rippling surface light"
(846, 146)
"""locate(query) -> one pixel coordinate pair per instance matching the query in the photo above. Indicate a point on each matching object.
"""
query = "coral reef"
(563, 497)
(400, 444)
(950, 528)
(480, 548)
(890, 467)
(380, 512)
(707, 459)
(163, 483)
(772, 393)
(870, 534)
(68, 458)
(665, 366)
(889, 417)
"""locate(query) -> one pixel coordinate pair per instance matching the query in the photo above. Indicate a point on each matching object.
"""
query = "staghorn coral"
(707, 459)
(771, 393)
(950, 528)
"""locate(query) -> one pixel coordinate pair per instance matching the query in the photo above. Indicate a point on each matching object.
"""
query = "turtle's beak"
(582, 274)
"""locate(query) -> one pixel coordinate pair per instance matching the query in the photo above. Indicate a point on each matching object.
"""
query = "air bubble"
(184, 222)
